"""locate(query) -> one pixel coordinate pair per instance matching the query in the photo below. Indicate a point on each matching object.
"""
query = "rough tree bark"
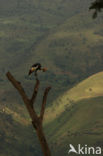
(36, 120)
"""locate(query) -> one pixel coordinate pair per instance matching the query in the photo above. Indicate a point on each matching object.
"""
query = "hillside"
(25, 31)
(76, 117)
(17, 136)
(81, 123)
(72, 52)
(88, 88)
(63, 36)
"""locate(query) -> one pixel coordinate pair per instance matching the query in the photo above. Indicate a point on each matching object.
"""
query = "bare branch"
(35, 92)
(36, 121)
(17, 85)
(21, 91)
(44, 102)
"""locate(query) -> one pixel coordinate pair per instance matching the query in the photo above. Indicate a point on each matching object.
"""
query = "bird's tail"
(29, 72)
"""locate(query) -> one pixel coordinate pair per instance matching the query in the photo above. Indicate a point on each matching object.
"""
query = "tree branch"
(44, 102)
(35, 92)
(21, 91)
(36, 120)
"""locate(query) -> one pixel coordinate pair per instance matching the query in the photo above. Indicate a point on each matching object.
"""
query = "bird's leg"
(36, 75)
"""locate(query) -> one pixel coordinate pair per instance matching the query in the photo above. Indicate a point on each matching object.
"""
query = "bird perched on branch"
(35, 67)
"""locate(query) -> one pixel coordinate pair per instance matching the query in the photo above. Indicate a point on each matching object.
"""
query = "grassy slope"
(58, 38)
(89, 88)
(78, 113)
(81, 123)
(77, 116)
(72, 52)
(22, 29)
(17, 137)
(73, 49)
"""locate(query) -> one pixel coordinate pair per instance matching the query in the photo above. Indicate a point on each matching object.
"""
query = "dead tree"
(37, 120)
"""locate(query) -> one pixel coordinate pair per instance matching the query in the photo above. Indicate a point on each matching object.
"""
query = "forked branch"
(36, 120)
(44, 102)
(25, 98)
(36, 87)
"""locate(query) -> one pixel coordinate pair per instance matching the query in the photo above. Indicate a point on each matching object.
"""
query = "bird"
(35, 67)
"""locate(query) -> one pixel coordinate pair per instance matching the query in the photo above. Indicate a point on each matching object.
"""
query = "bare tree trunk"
(42, 140)
(36, 120)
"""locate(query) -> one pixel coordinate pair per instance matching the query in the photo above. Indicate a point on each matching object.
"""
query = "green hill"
(16, 136)
(76, 117)
(81, 123)
(71, 53)
(33, 31)
(88, 88)
(63, 36)
(74, 50)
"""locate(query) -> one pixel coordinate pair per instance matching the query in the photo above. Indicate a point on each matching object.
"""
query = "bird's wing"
(36, 64)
